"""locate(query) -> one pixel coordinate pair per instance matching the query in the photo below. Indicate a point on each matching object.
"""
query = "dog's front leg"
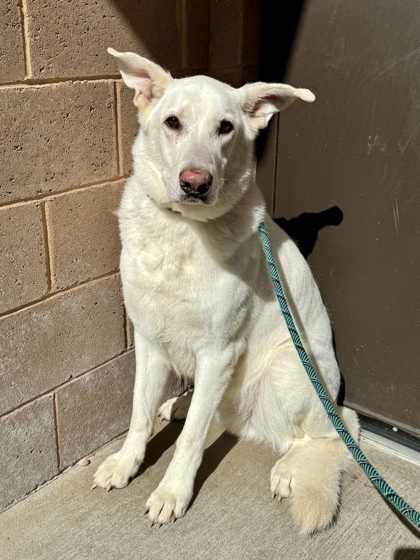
(151, 375)
(171, 498)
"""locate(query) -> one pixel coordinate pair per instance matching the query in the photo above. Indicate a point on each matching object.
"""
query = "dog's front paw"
(114, 472)
(166, 505)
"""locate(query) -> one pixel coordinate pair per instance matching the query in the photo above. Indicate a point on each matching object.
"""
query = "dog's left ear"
(261, 100)
(148, 79)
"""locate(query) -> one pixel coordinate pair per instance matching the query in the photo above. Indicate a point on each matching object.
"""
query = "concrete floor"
(231, 515)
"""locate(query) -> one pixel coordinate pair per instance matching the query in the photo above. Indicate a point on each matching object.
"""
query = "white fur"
(197, 289)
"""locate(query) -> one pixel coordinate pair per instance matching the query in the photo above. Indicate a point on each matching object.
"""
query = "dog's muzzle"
(195, 183)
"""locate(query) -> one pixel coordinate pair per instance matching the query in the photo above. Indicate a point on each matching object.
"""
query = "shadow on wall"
(277, 38)
(304, 229)
(146, 20)
(276, 43)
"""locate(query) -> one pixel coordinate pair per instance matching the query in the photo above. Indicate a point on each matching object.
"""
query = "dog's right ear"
(148, 79)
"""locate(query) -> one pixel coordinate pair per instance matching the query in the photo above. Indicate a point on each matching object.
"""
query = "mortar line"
(118, 128)
(47, 249)
(72, 380)
(57, 439)
(23, 8)
(43, 82)
(50, 196)
(52, 295)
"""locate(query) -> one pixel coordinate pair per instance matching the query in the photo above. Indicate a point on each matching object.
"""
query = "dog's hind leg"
(310, 473)
(175, 408)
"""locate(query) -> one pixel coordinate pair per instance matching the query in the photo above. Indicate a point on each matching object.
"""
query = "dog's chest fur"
(177, 294)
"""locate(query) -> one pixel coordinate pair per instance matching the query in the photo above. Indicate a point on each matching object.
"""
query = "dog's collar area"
(165, 208)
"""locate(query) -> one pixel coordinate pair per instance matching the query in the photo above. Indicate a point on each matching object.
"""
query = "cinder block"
(28, 450)
(231, 76)
(196, 34)
(250, 74)
(71, 38)
(68, 334)
(129, 126)
(226, 37)
(83, 234)
(94, 408)
(12, 60)
(23, 273)
(58, 136)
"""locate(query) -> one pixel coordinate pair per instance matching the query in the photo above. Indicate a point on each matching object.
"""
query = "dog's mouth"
(194, 199)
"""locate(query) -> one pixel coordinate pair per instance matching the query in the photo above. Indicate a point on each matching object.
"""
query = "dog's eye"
(225, 127)
(173, 122)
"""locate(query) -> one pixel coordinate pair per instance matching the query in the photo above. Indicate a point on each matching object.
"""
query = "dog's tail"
(314, 469)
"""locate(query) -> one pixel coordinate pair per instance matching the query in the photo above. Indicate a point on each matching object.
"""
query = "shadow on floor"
(212, 457)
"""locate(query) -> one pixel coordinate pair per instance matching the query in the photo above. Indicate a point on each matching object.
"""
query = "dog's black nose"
(195, 182)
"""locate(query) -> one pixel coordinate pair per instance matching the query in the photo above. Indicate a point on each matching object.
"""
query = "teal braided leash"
(386, 491)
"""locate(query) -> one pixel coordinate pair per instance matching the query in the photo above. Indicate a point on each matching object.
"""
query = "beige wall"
(67, 123)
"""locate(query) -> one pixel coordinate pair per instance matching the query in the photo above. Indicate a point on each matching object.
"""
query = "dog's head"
(194, 151)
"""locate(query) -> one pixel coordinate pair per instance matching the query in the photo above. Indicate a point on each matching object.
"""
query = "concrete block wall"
(67, 124)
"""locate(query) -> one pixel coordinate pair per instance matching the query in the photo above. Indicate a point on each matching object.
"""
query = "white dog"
(198, 291)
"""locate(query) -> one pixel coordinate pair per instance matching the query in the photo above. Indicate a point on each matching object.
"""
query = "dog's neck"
(228, 230)
(164, 208)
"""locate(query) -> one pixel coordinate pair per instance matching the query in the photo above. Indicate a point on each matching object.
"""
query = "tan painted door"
(348, 167)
